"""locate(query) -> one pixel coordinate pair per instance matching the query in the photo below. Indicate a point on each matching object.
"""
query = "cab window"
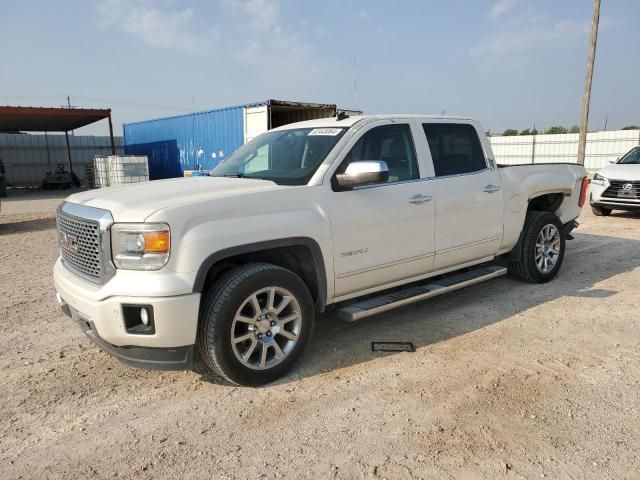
(392, 144)
(455, 148)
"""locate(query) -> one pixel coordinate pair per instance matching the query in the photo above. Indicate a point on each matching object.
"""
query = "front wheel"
(254, 323)
(542, 249)
(600, 211)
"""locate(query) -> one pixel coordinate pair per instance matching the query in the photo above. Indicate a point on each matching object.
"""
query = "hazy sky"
(510, 63)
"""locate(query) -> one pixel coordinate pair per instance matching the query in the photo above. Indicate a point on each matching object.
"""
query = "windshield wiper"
(234, 175)
(242, 175)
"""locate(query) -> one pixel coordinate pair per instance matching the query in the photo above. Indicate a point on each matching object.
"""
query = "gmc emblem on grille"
(69, 242)
(627, 186)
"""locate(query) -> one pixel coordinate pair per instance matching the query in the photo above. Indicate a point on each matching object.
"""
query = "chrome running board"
(416, 293)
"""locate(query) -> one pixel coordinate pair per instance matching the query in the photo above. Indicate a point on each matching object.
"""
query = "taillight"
(583, 191)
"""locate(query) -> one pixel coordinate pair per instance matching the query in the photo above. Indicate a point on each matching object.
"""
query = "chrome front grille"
(622, 189)
(80, 244)
(83, 236)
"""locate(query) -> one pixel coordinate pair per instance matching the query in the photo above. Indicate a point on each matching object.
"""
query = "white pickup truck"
(364, 213)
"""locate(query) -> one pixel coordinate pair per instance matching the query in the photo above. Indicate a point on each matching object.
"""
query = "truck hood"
(135, 202)
(621, 172)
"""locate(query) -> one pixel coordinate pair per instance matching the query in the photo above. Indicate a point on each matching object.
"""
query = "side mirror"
(363, 173)
(614, 161)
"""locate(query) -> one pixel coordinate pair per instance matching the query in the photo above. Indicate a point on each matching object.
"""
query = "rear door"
(467, 194)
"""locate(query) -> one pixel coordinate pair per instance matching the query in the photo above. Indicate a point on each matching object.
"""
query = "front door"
(382, 233)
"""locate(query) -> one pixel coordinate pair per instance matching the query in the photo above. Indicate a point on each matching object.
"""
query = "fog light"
(138, 319)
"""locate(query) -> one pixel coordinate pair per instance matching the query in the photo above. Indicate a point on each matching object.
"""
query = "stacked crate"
(116, 170)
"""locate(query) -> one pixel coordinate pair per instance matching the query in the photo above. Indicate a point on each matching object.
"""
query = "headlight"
(140, 246)
(598, 179)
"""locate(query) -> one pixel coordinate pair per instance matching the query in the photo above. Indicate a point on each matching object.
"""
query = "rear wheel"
(254, 324)
(542, 249)
(600, 211)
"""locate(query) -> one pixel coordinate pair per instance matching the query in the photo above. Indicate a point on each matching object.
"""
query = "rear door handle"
(417, 199)
(492, 188)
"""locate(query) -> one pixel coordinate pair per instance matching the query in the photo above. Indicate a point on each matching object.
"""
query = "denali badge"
(69, 242)
(360, 251)
(627, 186)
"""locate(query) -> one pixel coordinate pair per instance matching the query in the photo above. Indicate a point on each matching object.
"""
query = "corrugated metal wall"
(26, 157)
(281, 117)
(601, 148)
(183, 142)
(180, 143)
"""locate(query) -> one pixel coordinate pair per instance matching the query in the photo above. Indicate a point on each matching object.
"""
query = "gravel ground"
(508, 380)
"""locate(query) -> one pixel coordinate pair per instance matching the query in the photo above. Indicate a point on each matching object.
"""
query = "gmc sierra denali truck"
(364, 214)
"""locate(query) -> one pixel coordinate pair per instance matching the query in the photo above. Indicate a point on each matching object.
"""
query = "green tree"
(556, 129)
(526, 131)
(631, 127)
(574, 129)
(509, 132)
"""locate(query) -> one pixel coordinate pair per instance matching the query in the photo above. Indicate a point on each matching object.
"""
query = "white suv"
(617, 187)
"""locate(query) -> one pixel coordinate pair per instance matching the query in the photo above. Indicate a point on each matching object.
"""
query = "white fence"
(601, 148)
(28, 157)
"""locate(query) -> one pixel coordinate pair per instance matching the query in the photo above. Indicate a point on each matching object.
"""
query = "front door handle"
(492, 188)
(417, 199)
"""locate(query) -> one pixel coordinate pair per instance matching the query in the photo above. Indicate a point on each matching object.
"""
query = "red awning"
(41, 119)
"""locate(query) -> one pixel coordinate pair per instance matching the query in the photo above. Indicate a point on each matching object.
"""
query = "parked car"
(365, 214)
(617, 187)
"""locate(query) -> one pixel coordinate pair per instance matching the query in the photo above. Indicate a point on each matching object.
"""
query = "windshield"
(631, 157)
(287, 157)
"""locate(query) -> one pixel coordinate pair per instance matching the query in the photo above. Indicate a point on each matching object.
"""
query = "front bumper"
(179, 358)
(596, 198)
(175, 318)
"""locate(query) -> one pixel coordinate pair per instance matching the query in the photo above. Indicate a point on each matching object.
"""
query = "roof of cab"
(333, 122)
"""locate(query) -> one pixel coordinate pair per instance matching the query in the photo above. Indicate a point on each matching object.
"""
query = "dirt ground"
(508, 380)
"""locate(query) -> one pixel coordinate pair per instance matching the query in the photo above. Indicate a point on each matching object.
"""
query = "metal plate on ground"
(392, 347)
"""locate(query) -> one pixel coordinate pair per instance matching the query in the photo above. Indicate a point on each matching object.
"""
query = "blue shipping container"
(184, 142)
(204, 139)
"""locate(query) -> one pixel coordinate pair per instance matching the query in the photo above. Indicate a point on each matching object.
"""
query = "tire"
(527, 267)
(227, 313)
(600, 211)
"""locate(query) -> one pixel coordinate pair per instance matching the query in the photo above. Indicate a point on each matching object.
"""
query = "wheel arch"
(301, 255)
(547, 201)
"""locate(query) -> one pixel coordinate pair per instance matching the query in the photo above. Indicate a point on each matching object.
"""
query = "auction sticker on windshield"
(332, 132)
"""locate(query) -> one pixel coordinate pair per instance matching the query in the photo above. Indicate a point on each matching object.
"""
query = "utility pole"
(355, 81)
(586, 95)
(67, 133)
(533, 145)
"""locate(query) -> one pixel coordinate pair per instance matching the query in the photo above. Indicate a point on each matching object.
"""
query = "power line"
(136, 104)
(101, 99)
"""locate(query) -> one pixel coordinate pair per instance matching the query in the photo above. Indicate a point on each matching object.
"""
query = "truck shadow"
(26, 226)
(336, 344)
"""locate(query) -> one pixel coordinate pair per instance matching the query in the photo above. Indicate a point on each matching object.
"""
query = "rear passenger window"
(455, 148)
